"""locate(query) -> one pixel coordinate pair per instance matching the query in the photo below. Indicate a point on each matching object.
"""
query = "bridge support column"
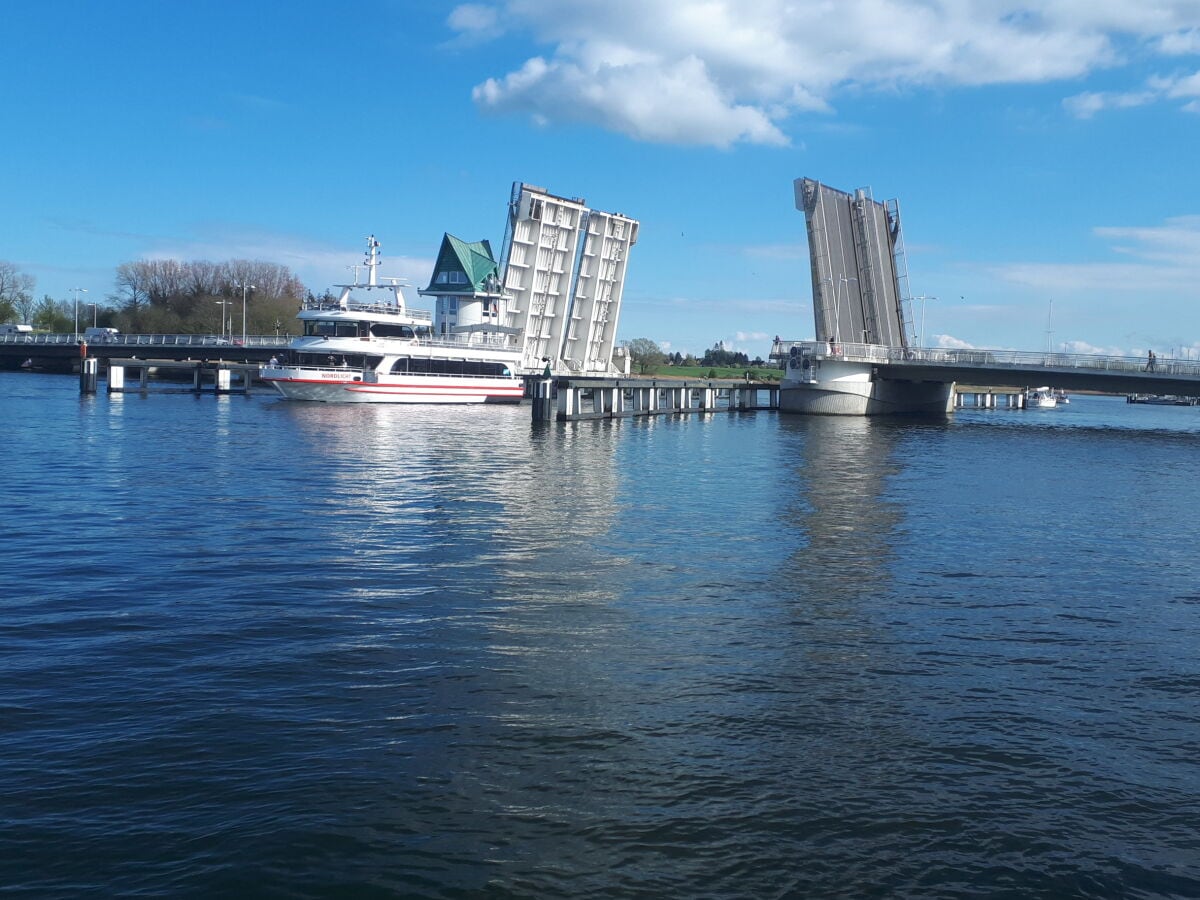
(89, 373)
(543, 400)
(568, 401)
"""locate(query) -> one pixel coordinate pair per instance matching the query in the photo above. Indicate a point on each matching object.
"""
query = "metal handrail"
(1019, 359)
(383, 309)
(448, 341)
(989, 359)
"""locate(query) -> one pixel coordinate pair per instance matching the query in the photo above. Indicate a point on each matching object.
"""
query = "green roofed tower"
(465, 281)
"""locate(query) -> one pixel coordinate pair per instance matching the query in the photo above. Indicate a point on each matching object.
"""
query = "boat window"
(330, 328)
(386, 329)
(472, 367)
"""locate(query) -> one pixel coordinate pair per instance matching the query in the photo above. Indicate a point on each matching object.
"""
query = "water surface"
(251, 646)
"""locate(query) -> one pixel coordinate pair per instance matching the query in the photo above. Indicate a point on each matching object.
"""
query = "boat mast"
(371, 261)
(371, 264)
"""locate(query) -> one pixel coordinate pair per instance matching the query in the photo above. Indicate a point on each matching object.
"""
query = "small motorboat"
(1040, 398)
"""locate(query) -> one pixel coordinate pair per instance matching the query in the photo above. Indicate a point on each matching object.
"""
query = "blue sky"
(1043, 157)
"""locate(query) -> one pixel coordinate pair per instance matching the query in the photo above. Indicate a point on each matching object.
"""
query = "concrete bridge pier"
(89, 375)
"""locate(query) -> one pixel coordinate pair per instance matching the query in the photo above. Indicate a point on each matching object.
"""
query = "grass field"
(761, 373)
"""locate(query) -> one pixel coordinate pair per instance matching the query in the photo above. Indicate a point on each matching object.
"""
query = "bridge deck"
(1014, 368)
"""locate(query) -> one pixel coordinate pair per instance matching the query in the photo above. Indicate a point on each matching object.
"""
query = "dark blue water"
(250, 647)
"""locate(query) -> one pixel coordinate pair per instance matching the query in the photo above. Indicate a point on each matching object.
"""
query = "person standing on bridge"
(1149, 360)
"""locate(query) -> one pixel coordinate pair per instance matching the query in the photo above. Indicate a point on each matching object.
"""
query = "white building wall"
(595, 312)
(565, 314)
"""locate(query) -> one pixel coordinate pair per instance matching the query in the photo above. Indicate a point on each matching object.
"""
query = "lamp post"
(223, 304)
(923, 298)
(245, 287)
(77, 291)
(1049, 327)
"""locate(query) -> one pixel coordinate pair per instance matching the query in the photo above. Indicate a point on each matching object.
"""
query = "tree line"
(166, 296)
(646, 356)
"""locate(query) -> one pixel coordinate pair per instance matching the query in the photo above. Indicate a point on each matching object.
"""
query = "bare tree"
(169, 295)
(16, 290)
(24, 305)
(132, 290)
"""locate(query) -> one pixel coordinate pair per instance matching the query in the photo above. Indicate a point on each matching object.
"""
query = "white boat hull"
(325, 387)
(1040, 398)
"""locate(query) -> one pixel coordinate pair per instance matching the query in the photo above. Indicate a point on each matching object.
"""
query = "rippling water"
(253, 647)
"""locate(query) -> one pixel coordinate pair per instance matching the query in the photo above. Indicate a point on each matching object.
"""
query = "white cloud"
(1180, 43)
(718, 72)
(949, 342)
(473, 17)
(474, 23)
(1086, 105)
(317, 266)
(1157, 89)
(1161, 259)
(742, 337)
(676, 104)
(1084, 347)
(1180, 86)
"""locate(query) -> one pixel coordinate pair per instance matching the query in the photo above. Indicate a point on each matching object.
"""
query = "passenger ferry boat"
(379, 350)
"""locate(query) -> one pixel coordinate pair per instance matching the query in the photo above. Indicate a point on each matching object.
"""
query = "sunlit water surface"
(256, 647)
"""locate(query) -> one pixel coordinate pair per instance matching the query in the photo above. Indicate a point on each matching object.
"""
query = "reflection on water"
(839, 467)
(507, 507)
(311, 650)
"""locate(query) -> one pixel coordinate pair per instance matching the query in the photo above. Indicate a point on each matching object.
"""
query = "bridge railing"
(1022, 359)
(831, 349)
(986, 359)
(151, 340)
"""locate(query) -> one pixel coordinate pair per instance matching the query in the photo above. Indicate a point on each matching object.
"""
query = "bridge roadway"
(1014, 368)
(62, 352)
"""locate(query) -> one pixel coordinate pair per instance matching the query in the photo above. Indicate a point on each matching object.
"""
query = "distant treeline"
(168, 296)
(165, 296)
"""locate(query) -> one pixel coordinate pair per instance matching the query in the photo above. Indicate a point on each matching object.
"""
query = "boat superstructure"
(370, 346)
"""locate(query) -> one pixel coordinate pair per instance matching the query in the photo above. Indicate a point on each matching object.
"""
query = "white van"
(15, 329)
(100, 334)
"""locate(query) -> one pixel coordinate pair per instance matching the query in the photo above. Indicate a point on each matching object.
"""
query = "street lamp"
(223, 304)
(923, 298)
(77, 291)
(245, 287)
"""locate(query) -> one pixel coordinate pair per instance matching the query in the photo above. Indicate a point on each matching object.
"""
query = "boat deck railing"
(474, 341)
(386, 309)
